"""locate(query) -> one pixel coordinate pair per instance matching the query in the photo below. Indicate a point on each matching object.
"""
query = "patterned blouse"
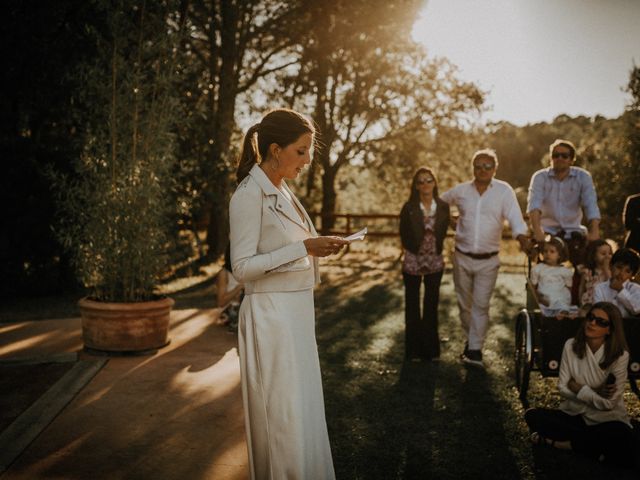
(427, 260)
(591, 279)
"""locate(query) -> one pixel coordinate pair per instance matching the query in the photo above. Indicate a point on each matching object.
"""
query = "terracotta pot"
(140, 327)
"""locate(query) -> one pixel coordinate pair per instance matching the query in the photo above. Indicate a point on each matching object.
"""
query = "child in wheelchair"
(552, 280)
(596, 269)
(620, 290)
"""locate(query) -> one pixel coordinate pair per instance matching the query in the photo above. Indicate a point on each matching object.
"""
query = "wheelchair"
(540, 339)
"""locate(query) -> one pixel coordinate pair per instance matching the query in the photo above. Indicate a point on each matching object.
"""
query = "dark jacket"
(412, 225)
(631, 219)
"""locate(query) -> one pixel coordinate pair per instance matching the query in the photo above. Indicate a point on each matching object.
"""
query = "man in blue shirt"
(559, 194)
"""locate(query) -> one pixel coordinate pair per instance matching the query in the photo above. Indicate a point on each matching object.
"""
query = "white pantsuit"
(281, 383)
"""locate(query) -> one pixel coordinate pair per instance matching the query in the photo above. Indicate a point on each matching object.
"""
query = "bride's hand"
(324, 246)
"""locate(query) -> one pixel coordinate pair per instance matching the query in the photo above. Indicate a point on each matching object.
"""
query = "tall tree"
(367, 83)
(234, 43)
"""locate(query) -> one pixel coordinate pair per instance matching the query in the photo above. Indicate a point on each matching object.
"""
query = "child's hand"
(616, 284)
(543, 299)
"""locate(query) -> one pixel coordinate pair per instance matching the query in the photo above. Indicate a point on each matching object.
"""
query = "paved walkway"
(173, 415)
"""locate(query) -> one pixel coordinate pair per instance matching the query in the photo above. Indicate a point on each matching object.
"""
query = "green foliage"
(608, 148)
(41, 43)
(115, 210)
(371, 88)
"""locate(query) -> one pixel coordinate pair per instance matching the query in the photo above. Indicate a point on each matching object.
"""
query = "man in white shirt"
(620, 290)
(483, 203)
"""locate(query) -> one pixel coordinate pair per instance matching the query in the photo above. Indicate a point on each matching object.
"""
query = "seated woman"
(592, 418)
(229, 294)
(552, 280)
(620, 290)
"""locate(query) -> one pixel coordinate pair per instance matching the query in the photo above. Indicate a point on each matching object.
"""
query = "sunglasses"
(422, 181)
(601, 322)
(483, 166)
(562, 155)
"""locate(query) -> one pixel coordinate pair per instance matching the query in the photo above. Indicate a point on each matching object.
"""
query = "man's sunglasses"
(422, 181)
(601, 322)
(563, 155)
(481, 166)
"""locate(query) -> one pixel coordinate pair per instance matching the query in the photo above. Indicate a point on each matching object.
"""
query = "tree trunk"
(328, 200)
(223, 107)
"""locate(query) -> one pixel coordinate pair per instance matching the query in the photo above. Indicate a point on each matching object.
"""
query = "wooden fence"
(378, 224)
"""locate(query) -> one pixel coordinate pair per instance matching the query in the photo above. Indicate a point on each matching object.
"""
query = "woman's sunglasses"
(565, 156)
(601, 322)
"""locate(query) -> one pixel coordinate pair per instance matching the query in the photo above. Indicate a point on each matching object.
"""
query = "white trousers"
(474, 282)
(282, 394)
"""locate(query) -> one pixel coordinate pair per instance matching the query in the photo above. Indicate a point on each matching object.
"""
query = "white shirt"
(554, 282)
(482, 217)
(627, 299)
(587, 372)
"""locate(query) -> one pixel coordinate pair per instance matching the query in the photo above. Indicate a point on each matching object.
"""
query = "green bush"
(115, 210)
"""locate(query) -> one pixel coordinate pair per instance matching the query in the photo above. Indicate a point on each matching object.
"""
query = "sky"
(538, 58)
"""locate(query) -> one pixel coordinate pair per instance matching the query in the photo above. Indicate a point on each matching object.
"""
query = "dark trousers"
(613, 440)
(421, 331)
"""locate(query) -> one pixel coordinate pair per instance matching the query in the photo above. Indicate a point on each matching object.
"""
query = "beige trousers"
(474, 283)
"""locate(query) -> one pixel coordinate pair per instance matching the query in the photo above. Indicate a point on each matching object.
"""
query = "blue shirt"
(561, 201)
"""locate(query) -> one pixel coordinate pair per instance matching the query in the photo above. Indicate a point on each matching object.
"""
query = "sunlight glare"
(537, 59)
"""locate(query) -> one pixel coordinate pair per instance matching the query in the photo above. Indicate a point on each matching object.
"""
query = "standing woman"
(274, 250)
(592, 418)
(423, 226)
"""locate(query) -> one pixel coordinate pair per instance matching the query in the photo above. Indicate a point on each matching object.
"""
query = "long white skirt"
(282, 388)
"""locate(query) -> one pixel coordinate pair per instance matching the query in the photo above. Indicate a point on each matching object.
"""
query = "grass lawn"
(394, 420)
(389, 419)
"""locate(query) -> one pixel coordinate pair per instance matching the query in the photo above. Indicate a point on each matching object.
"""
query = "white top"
(627, 299)
(586, 371)
(267, 238)
(554, 282)
(482, 217)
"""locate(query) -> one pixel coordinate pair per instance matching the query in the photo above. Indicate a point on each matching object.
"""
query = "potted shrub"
(115, 210)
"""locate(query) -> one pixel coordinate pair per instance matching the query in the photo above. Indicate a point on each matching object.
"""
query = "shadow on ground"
(389, 419)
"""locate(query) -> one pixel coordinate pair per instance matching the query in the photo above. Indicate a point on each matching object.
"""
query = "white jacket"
(586, 371)
(267, 250)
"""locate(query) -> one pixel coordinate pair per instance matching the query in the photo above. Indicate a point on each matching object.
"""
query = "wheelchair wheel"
(523, 357)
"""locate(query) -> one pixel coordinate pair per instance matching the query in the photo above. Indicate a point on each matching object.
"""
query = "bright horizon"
(538, 58)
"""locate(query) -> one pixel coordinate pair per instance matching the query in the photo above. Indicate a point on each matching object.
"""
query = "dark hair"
(628, 257)
(280, 126)
(560, 142)
(614, 345)
(414, 196)
(592, 249)
(227, 257)
(563, 252)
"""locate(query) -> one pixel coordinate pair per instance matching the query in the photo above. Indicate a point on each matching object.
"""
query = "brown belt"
(477, 256)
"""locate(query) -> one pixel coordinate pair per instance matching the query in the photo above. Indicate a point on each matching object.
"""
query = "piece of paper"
(357, 236)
